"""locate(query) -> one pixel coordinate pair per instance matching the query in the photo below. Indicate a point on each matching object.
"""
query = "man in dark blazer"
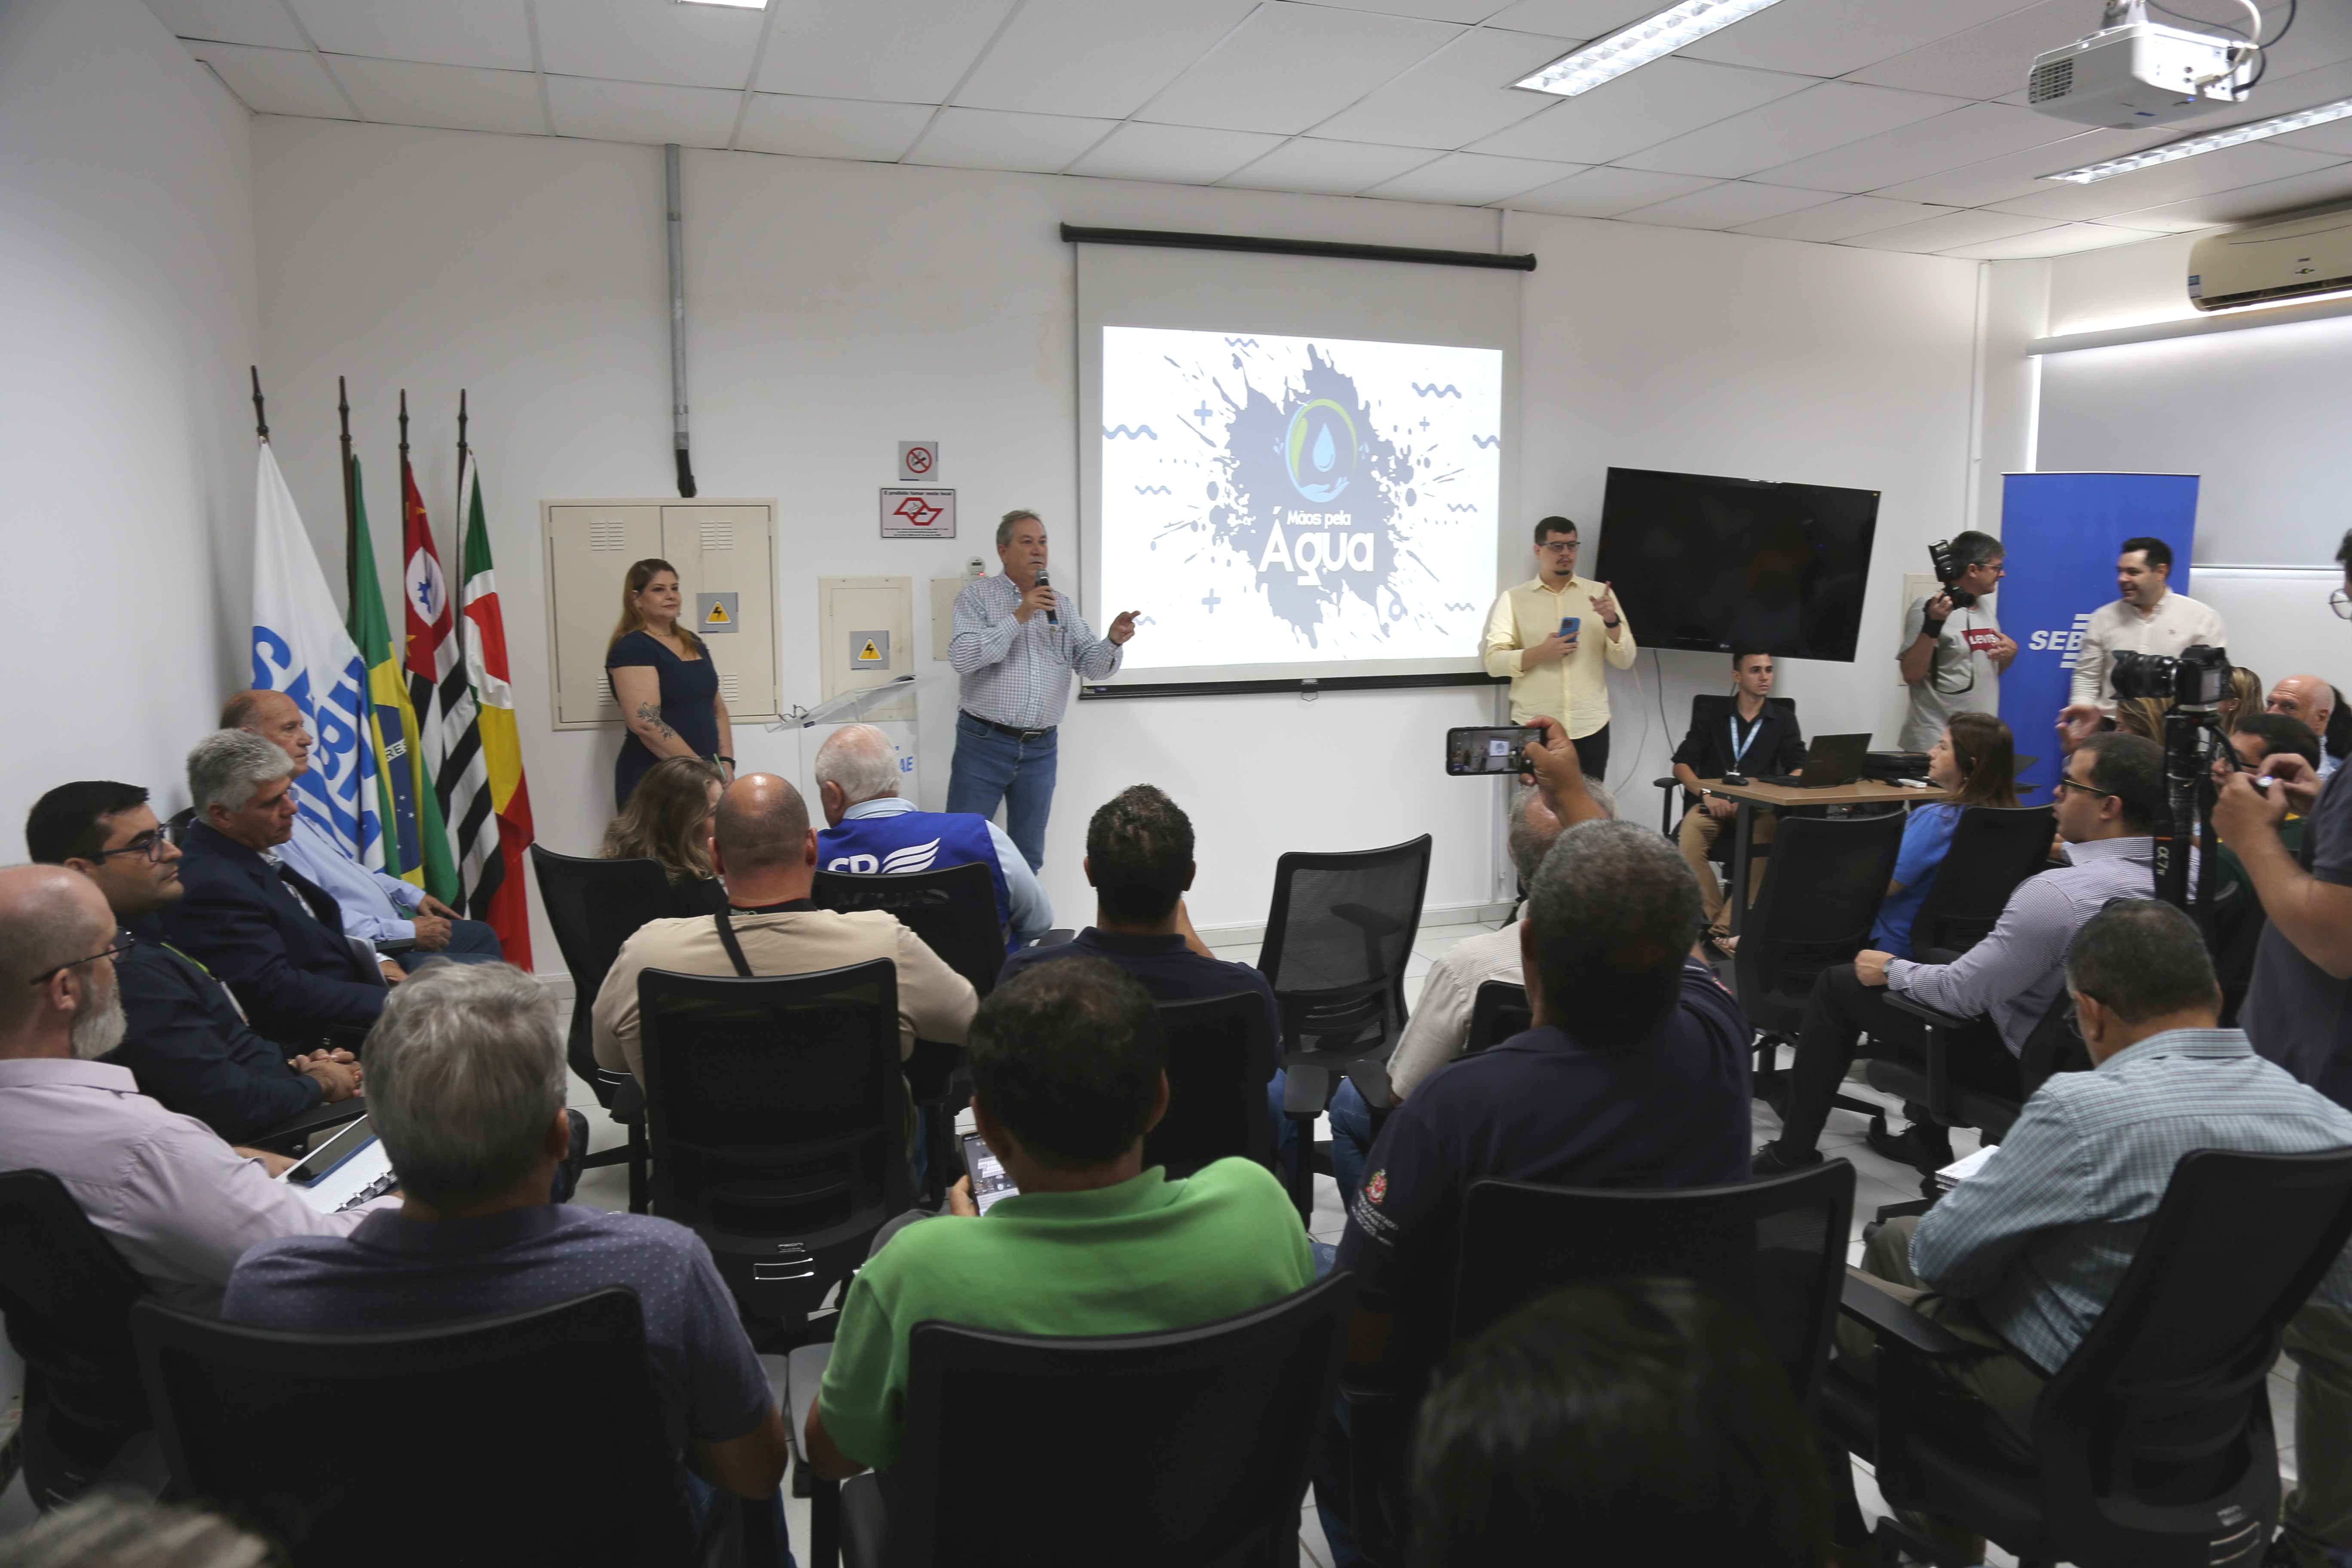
(273, 937)
(185, 1041)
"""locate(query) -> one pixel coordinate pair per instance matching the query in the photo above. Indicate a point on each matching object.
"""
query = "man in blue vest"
(869, 829)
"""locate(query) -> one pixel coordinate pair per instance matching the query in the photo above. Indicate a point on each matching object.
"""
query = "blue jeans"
(1352, 1135)
(991, 766)
(472, 942)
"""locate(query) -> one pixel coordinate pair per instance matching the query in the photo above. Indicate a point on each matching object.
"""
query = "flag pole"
(351, 500)
(260, 425)
(403, 435)
(460, 513)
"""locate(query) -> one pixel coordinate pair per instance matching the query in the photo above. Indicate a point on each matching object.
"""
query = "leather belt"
(1007, 729)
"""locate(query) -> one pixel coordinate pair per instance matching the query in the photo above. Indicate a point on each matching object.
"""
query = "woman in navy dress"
(662, 677)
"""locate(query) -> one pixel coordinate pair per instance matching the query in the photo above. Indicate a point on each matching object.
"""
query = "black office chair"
(1216, 1051)
(1337, 940)
(535, 1437)
(1936, 1093)
(1498, 1009)
(1993, 849)
(2152, 1446)
(67, 1295)
(594, 906)
(1003, 1463)
(1713, 708)
(1814, 913)
(778, 1124)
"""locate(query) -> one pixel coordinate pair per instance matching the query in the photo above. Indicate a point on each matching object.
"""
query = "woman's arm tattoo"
(651, 713)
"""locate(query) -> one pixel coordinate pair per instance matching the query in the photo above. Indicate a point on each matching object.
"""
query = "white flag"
(299, 648)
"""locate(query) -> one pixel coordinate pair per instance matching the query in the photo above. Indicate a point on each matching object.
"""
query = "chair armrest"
(1889, 1318)
(1361, 1391)
(1669, 782)
(1936, 1017)
(628, 1101)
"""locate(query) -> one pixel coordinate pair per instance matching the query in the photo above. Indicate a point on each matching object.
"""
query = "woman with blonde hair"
(662, 676)
(668, 819)
(1976, 760)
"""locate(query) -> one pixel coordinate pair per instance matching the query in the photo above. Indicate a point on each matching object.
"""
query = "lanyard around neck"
(1739, 746)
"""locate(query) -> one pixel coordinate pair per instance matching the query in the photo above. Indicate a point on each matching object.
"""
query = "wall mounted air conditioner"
(2272, 261)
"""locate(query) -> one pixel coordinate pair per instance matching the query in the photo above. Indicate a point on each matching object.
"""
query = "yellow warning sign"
(870, 654)
(718, 615)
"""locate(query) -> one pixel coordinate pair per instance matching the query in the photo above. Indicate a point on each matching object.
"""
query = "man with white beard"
(179, 1203)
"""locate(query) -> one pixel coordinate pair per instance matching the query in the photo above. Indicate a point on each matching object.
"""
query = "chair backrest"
(1816, 909)
(535, 1437)
(1775, 1247)
(1187, 1447)
(1498, 1009)
(2159, 1423)
(1216, 1097)
(67, 1295)
(1339, 937)
(1993, 849)
(777, 1120)
(594, 906)
(953, 909)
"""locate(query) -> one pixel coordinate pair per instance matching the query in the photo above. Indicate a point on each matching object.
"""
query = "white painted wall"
(837, 307)
(127, 309)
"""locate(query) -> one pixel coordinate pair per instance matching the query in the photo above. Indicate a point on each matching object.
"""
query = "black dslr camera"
(2200, 677)
(1949, 569)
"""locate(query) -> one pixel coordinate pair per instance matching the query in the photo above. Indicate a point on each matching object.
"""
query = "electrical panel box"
(943, 597)
(865, 631)
(725, 554)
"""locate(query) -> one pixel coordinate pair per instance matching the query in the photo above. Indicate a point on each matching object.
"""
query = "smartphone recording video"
(1471, 751)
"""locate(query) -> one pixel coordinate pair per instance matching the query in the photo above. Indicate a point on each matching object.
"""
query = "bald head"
(762, 832)
(50, 919)
(273, 716)
(2303, 697)
(859, 763)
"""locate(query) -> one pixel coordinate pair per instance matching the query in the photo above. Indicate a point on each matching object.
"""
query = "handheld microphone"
(1043, 582)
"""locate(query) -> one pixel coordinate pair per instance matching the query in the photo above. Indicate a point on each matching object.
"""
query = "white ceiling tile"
(488, 33)
(1842, 219)
(1831, 37)
(1640, 110)
(2322, 34)
(1471, 179)
(1574, 18)
(1435, 10)
(2063, 240)
(998, 139)
(1327, 168)
(1293, 66)
(1727, 205)
(1989, 60)
(459, 98)
(1943, 233)
(1831, 114)
(640, 111)
(1102, 58)
(901, 51)
(1606, 193)
(2251, 165)
(2012, 173)
(832, 127)
(2248, 203)
(2335, 137)
(1930, 146)
(1454, 97)
(274, 82)
(261, 23)
(1174, 154)
(649, 40)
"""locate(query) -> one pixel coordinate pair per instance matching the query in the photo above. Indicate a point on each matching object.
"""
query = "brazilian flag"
(412, 817)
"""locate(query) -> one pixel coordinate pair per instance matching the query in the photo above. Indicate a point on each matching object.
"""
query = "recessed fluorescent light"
(2211, 142)
(1634, 47)
(738, 4)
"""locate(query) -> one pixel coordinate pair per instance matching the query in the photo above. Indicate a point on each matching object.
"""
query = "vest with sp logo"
(916, 841)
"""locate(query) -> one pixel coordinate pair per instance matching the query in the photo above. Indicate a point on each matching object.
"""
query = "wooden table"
(1782, 797)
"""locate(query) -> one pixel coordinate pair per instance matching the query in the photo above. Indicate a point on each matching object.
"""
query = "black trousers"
(1592, 754)
(1841, 1010)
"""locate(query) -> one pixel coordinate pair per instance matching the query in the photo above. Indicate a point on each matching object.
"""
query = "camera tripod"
(2193, 738)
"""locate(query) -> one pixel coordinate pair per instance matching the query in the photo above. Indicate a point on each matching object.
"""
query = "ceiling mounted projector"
(2136, 73)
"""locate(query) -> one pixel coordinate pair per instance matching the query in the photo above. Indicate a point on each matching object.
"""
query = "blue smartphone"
(1568, 623)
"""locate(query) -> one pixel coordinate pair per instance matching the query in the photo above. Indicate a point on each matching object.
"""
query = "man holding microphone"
(1015, 642)
(1550, 635)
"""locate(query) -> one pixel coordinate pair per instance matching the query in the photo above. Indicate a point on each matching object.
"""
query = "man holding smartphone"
(1549, 636)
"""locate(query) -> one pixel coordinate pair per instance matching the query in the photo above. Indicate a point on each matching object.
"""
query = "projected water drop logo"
(1319, 450)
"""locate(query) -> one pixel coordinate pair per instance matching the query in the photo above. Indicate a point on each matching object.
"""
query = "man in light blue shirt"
(2024, 1256)
(856, 773)
(378, 908)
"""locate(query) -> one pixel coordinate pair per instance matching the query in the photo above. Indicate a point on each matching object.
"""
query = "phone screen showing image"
(990, 1181)
(1500, 750)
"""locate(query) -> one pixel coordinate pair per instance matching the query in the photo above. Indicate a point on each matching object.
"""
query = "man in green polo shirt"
(1066, 1080)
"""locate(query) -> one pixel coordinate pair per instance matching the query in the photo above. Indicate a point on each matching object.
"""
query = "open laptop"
(1829, 761)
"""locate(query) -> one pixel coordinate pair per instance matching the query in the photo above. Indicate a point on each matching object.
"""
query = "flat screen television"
(1705, 562)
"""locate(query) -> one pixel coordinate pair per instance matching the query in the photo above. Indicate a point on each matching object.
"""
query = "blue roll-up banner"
(2061, 533)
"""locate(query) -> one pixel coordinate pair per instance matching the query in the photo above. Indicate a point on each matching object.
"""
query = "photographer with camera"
(1952, 647)
(2146, 617)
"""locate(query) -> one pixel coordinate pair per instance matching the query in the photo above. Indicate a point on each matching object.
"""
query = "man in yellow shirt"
(1555, 672)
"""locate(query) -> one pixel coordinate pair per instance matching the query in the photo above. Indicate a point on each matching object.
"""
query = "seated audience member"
(1975, 760)
(274, 937)
(1641, 1420)
(869, 829)
(2245, 699)
(1741, 735)
(2312, 701)
(1066, 1080)
(2107, 805)
(2265, 735)
(377, 907)
(763, 848)
(668, 819)
(2023, 1257)
(1635, 1073)
(188, 1046)
(2142, 716)
(466, 1086)
(180, 1205)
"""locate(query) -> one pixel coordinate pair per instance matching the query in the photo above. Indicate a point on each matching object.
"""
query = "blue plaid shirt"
(2039, 1238)
(1019, 674)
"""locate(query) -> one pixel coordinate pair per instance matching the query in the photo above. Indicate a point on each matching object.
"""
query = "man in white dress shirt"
(180, 1205)
(2147, 616)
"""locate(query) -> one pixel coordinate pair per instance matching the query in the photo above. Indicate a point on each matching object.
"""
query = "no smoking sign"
(918, 461)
